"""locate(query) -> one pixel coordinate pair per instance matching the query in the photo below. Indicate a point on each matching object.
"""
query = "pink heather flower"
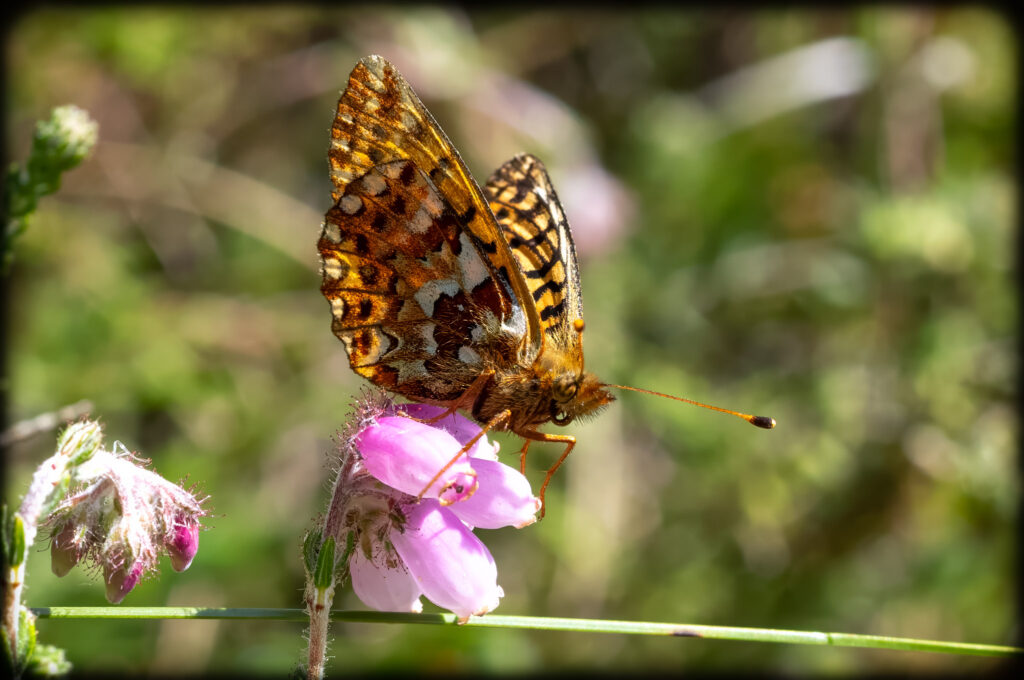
(447, 562)
(384, 447)
(122, 517)
(386, 588)
(406, 547)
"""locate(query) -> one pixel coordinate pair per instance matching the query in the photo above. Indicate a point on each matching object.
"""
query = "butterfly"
(443, 292)
(446, 293)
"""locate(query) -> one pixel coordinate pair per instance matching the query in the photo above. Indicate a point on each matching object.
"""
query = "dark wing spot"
(398, 205)
(532, 242)
(468, 216)
(486, 295)
(407, 175)
(541, 272)
(365, 308)
(368, 275)
(361, 342)
(450, 230)
(343, 269)
(554, 286)
(380, 221)
(553, 310)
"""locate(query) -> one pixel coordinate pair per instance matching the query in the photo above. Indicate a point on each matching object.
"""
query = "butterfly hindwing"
(530, 216)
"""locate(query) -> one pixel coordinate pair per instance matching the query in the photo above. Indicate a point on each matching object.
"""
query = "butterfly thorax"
(554, 389)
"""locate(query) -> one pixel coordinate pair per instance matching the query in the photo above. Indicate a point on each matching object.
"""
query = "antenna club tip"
(763, 422)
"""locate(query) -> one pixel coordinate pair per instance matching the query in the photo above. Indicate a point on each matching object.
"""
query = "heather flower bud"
(67, 547)
(183, 545)
(66, 138)
(80, 440)
(121, 580)
(58, 145)
(122, 517)
(95, 504)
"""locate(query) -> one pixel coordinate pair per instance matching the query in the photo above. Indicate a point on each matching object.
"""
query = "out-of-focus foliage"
(802, 214)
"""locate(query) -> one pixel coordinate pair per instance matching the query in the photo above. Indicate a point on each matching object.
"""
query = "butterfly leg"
(522, 456)
(566, 439)
(494, 422)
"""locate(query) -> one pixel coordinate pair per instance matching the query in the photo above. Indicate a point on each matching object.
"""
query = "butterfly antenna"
(578, 326)
(763, 422)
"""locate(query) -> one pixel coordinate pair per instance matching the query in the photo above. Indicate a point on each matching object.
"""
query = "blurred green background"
(797, 213)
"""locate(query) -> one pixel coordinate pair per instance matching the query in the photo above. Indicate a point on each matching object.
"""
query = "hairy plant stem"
(34, 507)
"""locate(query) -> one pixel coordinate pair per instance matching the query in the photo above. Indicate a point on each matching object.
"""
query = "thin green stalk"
(544, 623)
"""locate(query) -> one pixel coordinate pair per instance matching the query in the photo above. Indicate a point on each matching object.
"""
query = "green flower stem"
(49, 484)
(543, 623)
(320, 586)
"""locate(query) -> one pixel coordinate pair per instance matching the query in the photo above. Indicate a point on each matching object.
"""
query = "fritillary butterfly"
(445, 293)
(442, 292)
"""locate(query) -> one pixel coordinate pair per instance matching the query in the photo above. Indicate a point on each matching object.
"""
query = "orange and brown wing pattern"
(379, 120)
(412, 296)
(526, 207)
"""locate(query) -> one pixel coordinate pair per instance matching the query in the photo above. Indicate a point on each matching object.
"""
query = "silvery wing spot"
(412, 296)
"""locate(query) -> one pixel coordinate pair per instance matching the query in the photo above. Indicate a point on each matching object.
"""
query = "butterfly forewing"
(380, 119)
(532, 220)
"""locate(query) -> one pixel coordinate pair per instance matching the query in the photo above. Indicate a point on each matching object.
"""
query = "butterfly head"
(574, 392)
(575, 395)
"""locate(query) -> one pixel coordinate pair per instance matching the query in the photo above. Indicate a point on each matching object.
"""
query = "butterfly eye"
(564, 390)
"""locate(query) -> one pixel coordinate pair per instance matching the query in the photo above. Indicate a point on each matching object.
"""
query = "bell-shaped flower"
(414, 523)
